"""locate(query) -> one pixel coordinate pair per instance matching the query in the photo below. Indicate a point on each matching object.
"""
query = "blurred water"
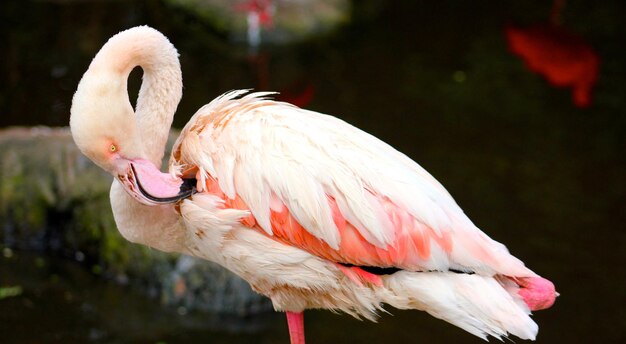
(435, 80)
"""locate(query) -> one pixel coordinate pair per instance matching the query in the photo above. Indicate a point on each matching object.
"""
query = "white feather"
(263, 148)
(475, 303)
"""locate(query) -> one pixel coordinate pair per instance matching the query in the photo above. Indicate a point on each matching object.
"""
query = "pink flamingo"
(311, 211)
(260, 13)
(562, 58)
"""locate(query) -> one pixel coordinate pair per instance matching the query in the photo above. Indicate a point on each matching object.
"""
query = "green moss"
(6, 292)
(46, 182)
(53, 197)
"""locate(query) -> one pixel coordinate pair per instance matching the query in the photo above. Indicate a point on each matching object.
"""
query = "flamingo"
(260, 13)
(561, 57)
(311, 211)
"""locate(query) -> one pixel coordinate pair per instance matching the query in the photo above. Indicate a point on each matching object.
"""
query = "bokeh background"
(517, 107)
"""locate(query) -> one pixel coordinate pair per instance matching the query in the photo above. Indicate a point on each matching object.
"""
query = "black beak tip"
(188, 186)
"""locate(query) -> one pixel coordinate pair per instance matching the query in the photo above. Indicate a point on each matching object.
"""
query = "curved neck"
(161, 87)
(159, 227)
(161, 90)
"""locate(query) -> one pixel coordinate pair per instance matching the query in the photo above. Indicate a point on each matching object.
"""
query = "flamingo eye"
(113, 148)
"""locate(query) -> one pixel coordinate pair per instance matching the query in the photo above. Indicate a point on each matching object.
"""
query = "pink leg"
(295, 320)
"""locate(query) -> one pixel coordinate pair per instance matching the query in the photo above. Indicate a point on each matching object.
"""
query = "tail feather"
(482, 305)
(538, 293)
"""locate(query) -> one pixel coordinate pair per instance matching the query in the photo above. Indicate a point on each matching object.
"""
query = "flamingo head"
(104, 127)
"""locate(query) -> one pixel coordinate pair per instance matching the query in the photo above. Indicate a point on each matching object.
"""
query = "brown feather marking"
(219, 117)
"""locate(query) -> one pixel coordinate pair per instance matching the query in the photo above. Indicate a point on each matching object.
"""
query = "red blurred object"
(263, 8)
(298, 94)
(563, 58)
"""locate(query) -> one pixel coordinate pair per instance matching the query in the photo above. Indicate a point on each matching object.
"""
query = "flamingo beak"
(148, 185)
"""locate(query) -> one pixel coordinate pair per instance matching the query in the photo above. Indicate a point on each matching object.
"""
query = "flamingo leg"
(295, 321)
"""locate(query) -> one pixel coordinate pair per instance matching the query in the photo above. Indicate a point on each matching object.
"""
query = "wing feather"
(267, 152)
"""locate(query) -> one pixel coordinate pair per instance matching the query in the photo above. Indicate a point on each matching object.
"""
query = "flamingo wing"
(315, 182)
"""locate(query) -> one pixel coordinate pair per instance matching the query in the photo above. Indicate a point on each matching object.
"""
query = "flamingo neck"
(103, 92)
(161, 87)
(159, 227)
(159, 95)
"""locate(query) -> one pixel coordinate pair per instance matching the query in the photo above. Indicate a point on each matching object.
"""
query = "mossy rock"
(52, 198)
